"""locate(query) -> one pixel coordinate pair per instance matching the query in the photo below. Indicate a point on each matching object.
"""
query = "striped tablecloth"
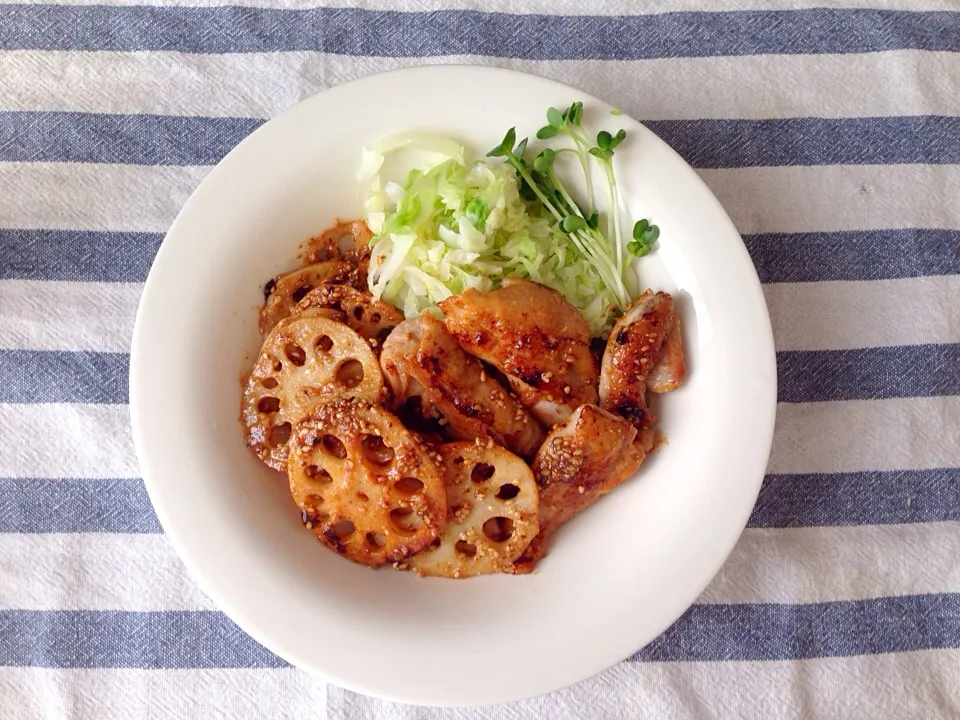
(831, 135)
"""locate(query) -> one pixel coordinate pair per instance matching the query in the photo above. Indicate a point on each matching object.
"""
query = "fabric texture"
(830, 134)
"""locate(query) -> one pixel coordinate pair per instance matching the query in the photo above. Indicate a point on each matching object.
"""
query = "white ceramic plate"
(618, 574)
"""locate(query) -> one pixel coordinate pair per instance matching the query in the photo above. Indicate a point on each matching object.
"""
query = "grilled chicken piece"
(533, 336)
(668, 372)
(583, 458)
(421, 360)
(635, 348)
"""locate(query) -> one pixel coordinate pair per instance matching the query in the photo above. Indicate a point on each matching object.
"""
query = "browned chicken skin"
(535, 337)
(668, 372)
(421, 359)
(583, 458)
(635, 347)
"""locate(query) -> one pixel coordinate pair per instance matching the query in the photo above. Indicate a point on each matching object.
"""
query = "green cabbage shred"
(450, 223)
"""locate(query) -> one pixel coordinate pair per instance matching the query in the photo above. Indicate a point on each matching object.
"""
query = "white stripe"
(88, 316)
(880, 687)
(906, 82)
(555, 7)
(876, 686)
(80, 196)
(66, 441)
(843, 315)
(897, 434)
(89, 571)
(773, 199)
(822, 564)
(806, 316)
(127, 694)
(838, 197)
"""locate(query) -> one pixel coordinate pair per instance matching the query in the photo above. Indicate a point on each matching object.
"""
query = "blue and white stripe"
(832, 136)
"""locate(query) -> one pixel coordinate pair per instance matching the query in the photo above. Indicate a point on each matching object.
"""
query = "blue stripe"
(172, 140)
(129, 139)
(30, 376)
(813, 141)
(831, 629)
(205, 639)
(115, 639)
(858, 498)
(350, 31)
(780, 257)
(69, 505)
(34, 376)
(854, 255)
(77, 255)
(868, 374)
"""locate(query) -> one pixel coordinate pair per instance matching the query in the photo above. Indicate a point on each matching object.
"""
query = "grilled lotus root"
(305, 360)
(345, 240)
(373, 319)
(365, 485)
(492, 510)
(285, 291)
(348, 241)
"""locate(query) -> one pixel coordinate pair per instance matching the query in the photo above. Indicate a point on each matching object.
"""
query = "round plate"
(617, 575)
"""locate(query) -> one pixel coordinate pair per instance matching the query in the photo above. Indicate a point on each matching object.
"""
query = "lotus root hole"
(301, 292)
(404, 520)
(376, 317)
(376, 451)
(408, 485)
(363, 497)
(277, 366)
(315, 472)
(345, 243)
(350, 373)
(508, 491)
(358, 312)
(376, 540)
(268, 404)
(279, 434)
(498, 529)
(324, 343)
(481, 472)
(466, 548)
(270, 383)
(295, 354)
(332, 444)
(312, 518)
(343, 528)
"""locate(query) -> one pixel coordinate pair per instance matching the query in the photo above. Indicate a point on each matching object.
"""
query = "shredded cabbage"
(447, 224)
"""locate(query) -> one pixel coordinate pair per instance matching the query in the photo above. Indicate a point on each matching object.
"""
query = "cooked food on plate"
(431, 378)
